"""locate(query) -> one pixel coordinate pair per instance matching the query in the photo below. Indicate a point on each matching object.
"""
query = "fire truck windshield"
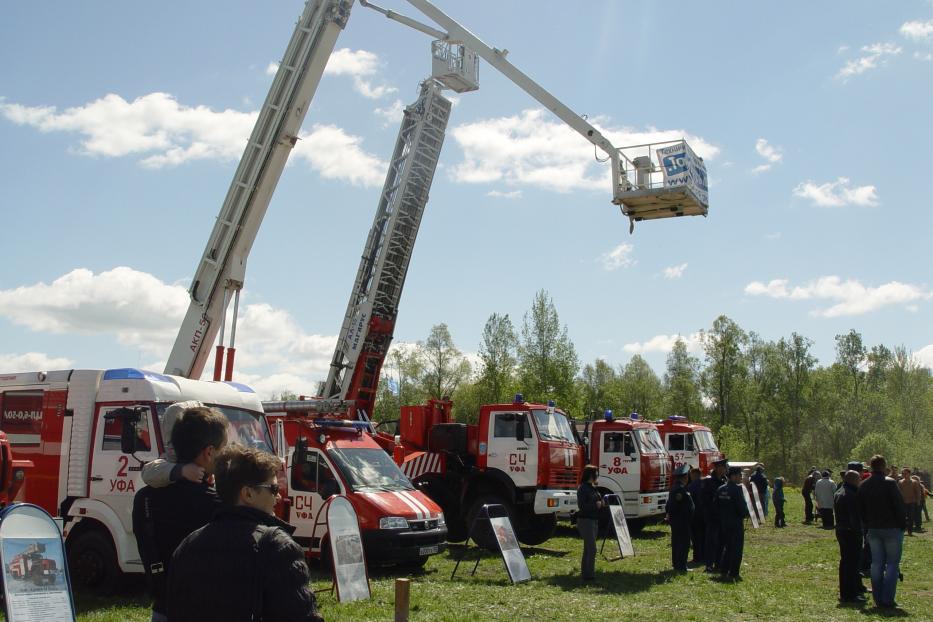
(369, 469)
(553, 426)
(705, 441)
(243, 426)
(649, 440)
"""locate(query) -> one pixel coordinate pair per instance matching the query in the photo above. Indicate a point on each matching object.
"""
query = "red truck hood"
(409, 504)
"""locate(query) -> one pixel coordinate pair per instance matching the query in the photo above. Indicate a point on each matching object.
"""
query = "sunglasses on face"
(273, 488)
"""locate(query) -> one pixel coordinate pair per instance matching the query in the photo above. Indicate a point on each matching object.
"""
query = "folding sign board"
(748, 503)
(757, 500)
(35, 574)
(346, 547)
(620, 525)
(508, 546)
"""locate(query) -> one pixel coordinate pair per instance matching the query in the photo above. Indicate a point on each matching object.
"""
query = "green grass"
(790, 574)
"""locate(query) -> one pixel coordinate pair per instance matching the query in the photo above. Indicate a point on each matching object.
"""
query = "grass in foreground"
(790, 574)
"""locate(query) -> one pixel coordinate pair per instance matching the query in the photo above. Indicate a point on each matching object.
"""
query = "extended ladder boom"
(222, 267)
(373, 308)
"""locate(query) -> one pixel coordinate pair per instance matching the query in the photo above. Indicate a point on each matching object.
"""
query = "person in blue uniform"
(697, 525)
(732, 510)
(679, 511)
(712, 547)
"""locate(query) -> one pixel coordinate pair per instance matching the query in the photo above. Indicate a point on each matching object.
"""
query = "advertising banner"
(35, 575)
(681, 167)
(748, 503)
(511, 553)
(346, 548)
(623, 538)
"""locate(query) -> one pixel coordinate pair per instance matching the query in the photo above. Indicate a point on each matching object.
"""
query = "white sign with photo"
(748, 503)
(620, 525)
(35, 575)
(511, 553)
(757, 499)
(346, 547)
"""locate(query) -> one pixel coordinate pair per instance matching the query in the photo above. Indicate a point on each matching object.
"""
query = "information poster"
(621, 528)
(346, 547)
(511, 552)
(35, 575)
(757, 499)
(748, 504)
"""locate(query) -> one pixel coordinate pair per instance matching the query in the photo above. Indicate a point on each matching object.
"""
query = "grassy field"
(790, 574)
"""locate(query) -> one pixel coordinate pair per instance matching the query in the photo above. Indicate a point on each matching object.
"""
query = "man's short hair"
(878, 463)
(196, 429)
(590, 472)
(239, 466)
(852, 477)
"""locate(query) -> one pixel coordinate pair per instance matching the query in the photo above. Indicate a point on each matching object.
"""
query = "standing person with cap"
(713, 544)
(779, 502)
(849, 536)
(732, 509)
(760, 480)
(825, 490)
(589, 502)
(807, 490)
(679, 511)
(864, 562)
(882, 511)
(697, 526)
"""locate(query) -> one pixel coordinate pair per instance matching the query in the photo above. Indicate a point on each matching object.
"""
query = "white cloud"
(769, 152)
(141, 311)
(164, 133)
(761, 168)
(837, 193)
(665, 343)
(851, 296)
(917, 30)
(32, 361)
(271, 69)
(924, 56)
(535, 149)
(773, 236)
(675, 272)
(925, 356)
(392, 114)
(498, 194)
(619, 257)
(359, 65)
(875, 55)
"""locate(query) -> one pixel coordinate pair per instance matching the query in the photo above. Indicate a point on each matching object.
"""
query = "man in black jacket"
(849, 536)
(244, 564)
(882, 511)
(679, 511)
(732, 509)
(163, 517)
(589, 503)
(712, 547)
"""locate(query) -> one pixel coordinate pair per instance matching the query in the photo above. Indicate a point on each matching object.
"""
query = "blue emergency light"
(607, 415)
(519, 399)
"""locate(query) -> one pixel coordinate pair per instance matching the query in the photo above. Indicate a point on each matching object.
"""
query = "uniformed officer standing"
(732, 512)
(712, 547)
(679, 510)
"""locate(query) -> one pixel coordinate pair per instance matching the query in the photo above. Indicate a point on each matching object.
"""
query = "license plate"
(427, 550)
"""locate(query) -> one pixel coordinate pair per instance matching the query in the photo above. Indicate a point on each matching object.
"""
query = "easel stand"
(622, 537)
(485, 513)
(500, 527)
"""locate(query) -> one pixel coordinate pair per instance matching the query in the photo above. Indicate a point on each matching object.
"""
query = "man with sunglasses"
(244, 564)
(164, 516)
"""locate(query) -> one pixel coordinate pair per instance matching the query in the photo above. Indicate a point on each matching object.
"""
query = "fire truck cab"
(75, 425)
(332, 455)
(633, 464)
(689, 443)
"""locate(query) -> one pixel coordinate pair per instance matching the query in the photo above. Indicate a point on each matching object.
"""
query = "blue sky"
(122, 124)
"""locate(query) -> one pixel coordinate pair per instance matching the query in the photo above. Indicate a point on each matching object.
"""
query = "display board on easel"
(751, 508)
(512, 557)
(619, 526)
(756, 499)
(346, 547)
(36, 583)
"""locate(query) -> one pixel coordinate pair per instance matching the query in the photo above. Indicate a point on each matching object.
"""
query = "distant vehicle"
(689, 443)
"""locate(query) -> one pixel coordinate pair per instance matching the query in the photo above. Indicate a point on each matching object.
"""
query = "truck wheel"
(93, 562)
(537, 528)
(482, 530)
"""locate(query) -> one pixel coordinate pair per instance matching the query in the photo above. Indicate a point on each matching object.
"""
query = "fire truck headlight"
(441, 521)
(393, 522)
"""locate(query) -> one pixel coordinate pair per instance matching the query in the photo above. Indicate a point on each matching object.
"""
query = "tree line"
(764, 400)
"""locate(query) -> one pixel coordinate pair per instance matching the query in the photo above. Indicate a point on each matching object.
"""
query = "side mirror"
(301, 451)
(520, 428)
(279, 431)
(329, 489)
(129, 417)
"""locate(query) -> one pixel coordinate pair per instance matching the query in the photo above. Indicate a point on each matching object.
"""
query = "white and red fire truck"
(689, 443)
(30, 565)
(520, 455)
(632, 464)
(74, 426)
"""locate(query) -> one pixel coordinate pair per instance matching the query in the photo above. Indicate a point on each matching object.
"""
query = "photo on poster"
(347, 551)
(33, 565)
(620, 525)
(751, 508)
(511, 552)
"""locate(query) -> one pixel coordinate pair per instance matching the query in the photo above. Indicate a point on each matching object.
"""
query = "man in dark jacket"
(760, 480)
(849, 536)
(163, 517)
(882, 511)
(244, 564)
(679, 511)
(807, 490)
(589, 502)
(732, 509)
(712, 547)
(697, 525)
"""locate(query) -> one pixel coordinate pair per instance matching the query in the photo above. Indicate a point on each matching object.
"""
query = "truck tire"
(537, 528)
(482, 530)
(453, 515)
(92, 560)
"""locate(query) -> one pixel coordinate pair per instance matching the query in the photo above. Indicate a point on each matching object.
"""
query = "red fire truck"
(689, 443)
(12, 471)
(520, 455)
(632, 464)
(88, 432)
(30, 565)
